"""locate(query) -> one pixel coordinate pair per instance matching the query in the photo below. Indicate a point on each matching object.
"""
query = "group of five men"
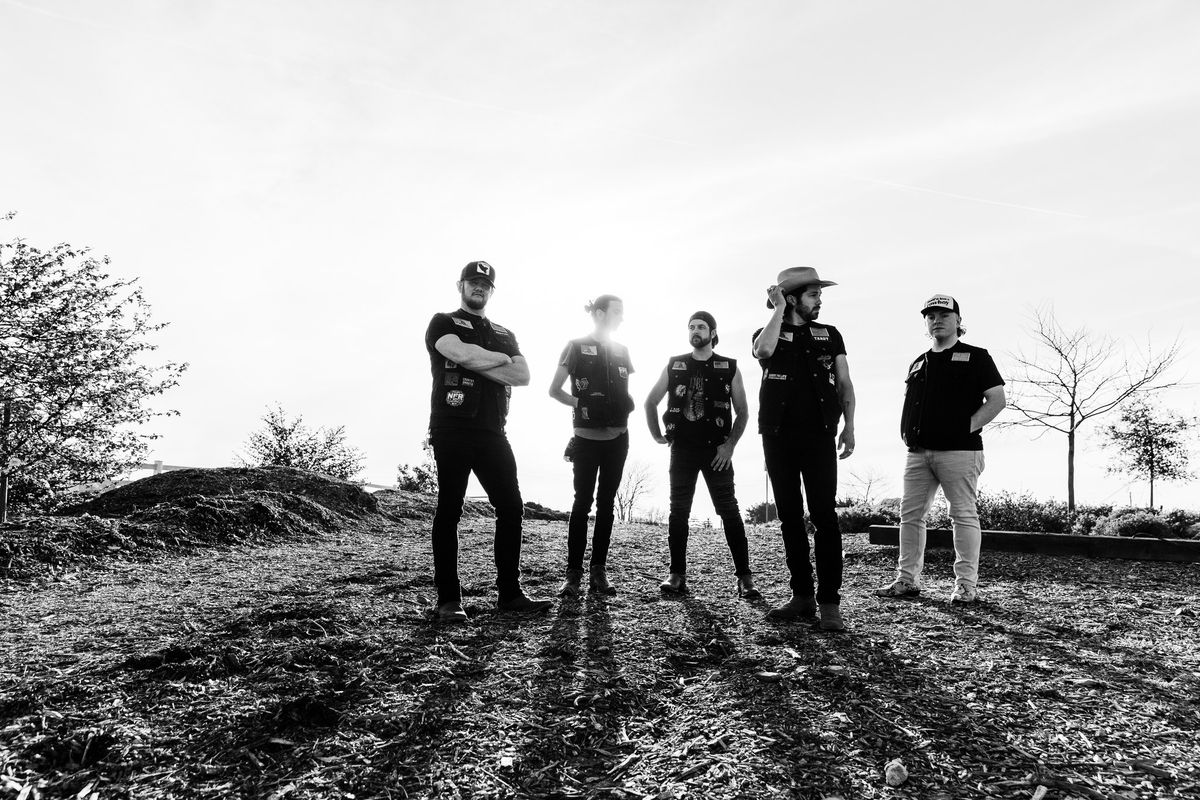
(952, 391)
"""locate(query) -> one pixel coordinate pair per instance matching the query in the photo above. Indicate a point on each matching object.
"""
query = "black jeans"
(598, 466)
(458, 454)
(813, 458)
(688, 461)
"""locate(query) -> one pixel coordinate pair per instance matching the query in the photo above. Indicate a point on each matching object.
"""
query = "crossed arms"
(491, 364)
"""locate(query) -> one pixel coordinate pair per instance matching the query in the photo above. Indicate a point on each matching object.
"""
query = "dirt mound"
(339, 496)
(184, 510)
(402, 504)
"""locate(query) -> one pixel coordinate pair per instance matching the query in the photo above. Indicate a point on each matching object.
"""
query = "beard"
(807, 314)
(699, 341)
(474, 302)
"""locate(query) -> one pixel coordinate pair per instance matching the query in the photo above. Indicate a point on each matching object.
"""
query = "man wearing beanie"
(952, 391)
(805, 392)
(475, 363)
(705, 417)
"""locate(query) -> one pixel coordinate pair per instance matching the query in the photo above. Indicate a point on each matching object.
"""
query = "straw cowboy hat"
(796, 277)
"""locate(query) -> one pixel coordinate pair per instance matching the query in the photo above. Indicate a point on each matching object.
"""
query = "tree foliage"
(1150, 442)
(1072, 376)
(284, 442)
(73, 371)
(420, 477)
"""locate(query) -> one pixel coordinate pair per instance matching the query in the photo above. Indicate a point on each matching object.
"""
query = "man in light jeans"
(952, 391)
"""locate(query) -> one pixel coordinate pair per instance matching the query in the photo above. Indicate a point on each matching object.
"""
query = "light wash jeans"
(957, 472)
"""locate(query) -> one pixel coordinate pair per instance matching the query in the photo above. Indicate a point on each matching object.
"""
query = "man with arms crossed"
(705, 417)
(475, 363)
(953, 390)
(805, 390)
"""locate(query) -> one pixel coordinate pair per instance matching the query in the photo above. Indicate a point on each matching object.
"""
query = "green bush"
(1134, 522)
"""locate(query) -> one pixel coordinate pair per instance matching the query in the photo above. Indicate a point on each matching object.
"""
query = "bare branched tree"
(1072, 376)
(865, 480)
(634, 485)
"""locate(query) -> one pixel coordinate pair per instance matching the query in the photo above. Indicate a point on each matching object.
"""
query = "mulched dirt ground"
(308, 668)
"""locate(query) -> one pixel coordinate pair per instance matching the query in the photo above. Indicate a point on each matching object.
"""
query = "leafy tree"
(1150, 442)
(283, 442)
(1073, 376)
(421, 477)
(761, 513)
(73, 371)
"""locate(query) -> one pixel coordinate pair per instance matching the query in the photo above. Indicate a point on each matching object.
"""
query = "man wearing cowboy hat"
(952, 391)
(805, 391)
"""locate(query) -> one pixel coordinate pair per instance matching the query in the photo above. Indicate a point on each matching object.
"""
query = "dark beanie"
(712, 323)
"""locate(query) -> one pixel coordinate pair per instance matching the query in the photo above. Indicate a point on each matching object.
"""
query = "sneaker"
(963, 594)
(520, 602)
(796, 608)
(898, 588)
(831, 617)
(450, 612)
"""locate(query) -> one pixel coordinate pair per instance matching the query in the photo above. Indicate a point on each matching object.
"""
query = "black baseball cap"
(479, 269)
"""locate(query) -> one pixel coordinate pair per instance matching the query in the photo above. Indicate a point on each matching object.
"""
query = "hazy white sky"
(298, 184)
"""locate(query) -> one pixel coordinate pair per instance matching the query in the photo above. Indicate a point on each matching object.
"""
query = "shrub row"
(1007, 511)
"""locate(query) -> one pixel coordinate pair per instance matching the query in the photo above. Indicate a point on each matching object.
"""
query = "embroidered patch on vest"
(450, 364)
(624, 373)
(463, 323)
(587, 349)
(680, 390)
(500, 330)
(776, 376)
(468, 381)
(960, 356)
(785, 335)
(679, 365)
(455, 398)
(720, 365)
(825, 361)
(581, 384)
(451, 379)
(820, 334)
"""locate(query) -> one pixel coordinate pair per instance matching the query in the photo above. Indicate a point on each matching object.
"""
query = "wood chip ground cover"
(310, 669)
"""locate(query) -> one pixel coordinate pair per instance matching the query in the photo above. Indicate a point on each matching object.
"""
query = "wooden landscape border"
(1061, 544)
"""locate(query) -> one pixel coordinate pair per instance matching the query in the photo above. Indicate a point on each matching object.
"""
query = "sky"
(296, 186)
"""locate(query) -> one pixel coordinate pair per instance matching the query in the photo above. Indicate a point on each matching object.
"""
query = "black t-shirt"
(493, 397)
(944, 390)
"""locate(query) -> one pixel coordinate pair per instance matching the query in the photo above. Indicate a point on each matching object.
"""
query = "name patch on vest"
(463, 323)
(468, 381)
(775, 376)
(960, 356)
(587, 349)
(720, 365)
(499, 330)
(821, 334)
(679, 365)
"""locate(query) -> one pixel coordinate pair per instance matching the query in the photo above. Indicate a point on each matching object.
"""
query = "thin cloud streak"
(445, 98)
(970, 198)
